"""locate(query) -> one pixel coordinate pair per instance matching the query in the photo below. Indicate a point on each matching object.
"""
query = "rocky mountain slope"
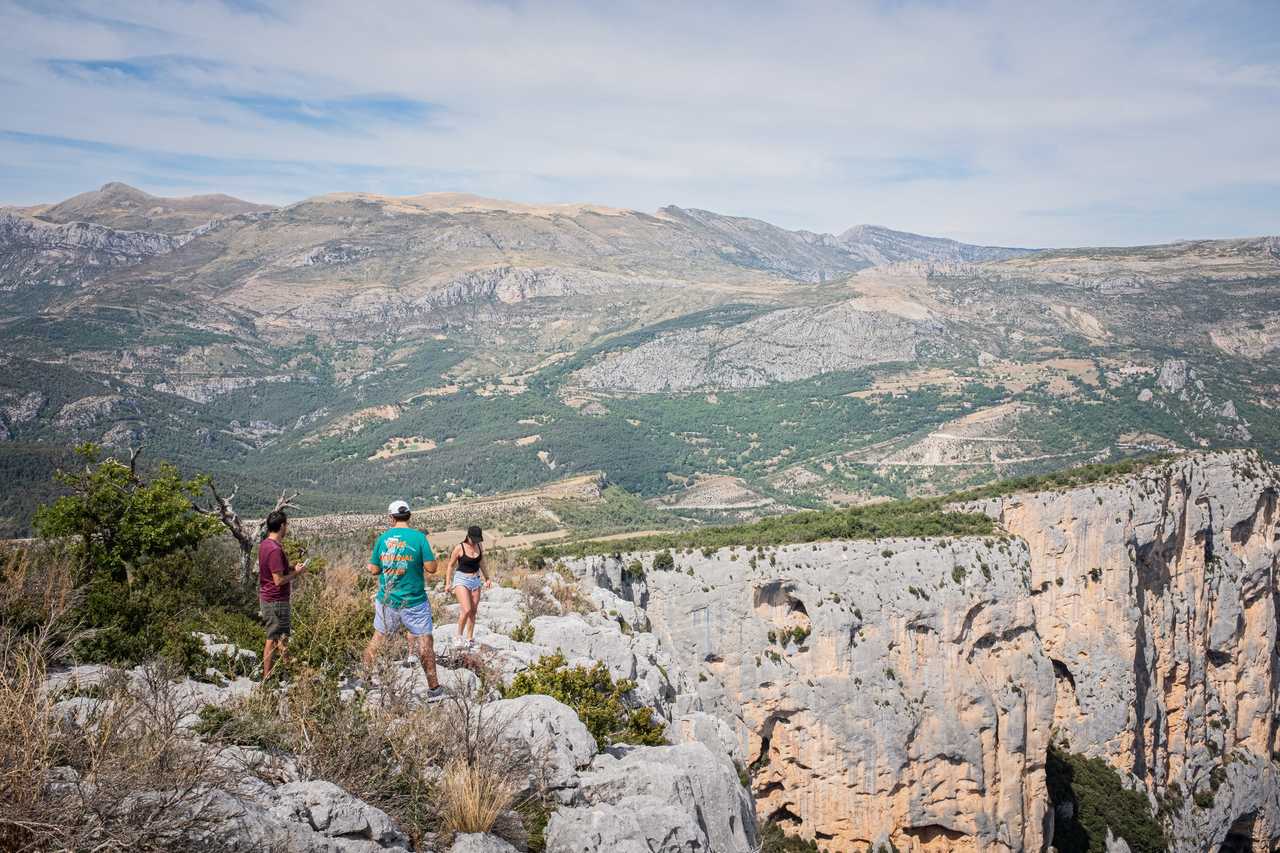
(817, 368)
(907, 691)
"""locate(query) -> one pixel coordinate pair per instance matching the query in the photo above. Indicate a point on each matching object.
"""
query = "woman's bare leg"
(464, 608)
(471, 617)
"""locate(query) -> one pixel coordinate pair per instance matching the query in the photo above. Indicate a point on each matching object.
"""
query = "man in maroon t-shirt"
(275, 580)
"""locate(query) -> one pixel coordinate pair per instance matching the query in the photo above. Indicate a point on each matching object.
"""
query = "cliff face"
(907, 690)
(34, 253)
(1155, 599)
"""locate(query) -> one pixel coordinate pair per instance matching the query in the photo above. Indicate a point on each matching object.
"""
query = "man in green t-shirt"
(400, 557)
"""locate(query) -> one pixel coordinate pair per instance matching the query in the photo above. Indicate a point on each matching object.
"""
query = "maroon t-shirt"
(272, 560)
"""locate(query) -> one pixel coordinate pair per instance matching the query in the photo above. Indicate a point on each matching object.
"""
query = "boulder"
(301, 817)
(551, 734)
(712, 732)
(334, 813)
(631, 825)
(480, 842)
(659, 798)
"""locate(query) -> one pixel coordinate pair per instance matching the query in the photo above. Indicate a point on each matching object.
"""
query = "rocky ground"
(684, 796)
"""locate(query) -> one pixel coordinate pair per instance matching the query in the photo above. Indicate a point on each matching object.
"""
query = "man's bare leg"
(371, 652)
(268, 655)
(427, 655)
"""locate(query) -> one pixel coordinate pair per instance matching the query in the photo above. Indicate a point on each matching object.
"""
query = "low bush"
(599, 701)
(1081, 475)
(332, 616)
(523, 633)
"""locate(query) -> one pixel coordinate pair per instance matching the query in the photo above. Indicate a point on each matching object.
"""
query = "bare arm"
(375, 569)
(450, 564)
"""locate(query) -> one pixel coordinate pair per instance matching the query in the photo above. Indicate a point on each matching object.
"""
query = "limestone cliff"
(906, 691)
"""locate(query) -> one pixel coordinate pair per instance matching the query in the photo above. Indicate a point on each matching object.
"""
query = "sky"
(1006, 123)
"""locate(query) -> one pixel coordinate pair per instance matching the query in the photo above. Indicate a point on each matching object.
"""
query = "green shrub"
(143, 557)
(1100, 801)
(121, 521)
(523, 633)
(1070, 478)
(663, 561)
(251, 723)
(594, 695)
(774, 839)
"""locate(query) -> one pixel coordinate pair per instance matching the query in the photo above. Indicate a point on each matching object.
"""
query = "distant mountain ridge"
(120, 206)
(446, 342)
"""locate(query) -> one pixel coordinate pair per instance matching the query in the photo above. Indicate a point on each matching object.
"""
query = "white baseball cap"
(398, 508)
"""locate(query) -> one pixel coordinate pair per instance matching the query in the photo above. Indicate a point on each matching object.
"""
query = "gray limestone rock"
(480, 842)
(667, 798)
(550, 733)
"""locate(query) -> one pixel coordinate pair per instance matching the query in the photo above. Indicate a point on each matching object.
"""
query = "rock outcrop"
(906, 691)
(33, 252)
(662, 798)
(780, 346)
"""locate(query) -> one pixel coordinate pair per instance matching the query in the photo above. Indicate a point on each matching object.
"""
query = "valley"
(443, 346)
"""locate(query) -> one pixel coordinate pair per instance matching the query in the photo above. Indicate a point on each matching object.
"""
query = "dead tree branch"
(223, 508)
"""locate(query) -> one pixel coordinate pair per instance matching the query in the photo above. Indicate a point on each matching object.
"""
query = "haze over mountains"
(507, 344)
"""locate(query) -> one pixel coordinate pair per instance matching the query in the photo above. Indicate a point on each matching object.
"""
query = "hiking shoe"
(435, 694)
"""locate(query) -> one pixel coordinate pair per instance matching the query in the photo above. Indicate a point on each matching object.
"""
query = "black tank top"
(469, 565)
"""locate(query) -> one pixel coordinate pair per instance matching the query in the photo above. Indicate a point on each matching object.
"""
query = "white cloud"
(1003, 122)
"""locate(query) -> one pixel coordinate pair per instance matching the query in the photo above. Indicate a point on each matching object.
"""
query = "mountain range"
(359, 347)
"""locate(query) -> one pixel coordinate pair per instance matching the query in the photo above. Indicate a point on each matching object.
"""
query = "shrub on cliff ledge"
(595, 696)
(1100, 801)
(774, 839)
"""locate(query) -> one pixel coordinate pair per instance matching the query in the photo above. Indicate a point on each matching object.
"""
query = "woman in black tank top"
(465, 578)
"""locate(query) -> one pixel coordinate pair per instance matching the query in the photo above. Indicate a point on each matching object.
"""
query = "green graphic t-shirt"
(400, 552)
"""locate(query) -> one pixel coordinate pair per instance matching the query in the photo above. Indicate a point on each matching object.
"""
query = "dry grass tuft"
(473, 796)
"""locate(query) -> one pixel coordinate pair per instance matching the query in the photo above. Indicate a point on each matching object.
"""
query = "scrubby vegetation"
(601, 702)
(129, 743)
(919, 517)
(774, 839)
(619, 511)
(1068, 478)
(1099, 801)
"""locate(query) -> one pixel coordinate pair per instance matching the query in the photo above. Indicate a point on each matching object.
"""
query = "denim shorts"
(467, 580)
(416, 619)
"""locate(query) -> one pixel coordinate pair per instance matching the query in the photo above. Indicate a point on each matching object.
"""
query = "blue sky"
(1010, 123)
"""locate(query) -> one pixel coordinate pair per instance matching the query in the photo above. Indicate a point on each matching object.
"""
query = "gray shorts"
(275, 618)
